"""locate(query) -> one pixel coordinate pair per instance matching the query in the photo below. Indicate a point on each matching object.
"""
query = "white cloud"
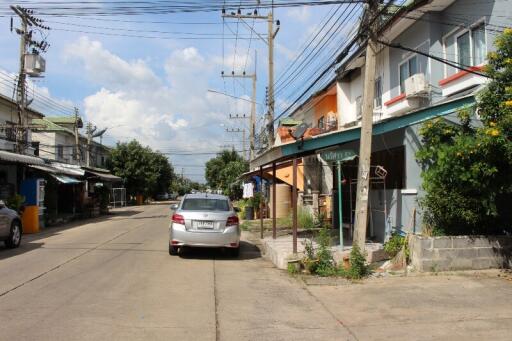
(170, 112)
(301, 14)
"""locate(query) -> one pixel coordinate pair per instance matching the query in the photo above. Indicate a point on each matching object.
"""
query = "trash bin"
(30, 219)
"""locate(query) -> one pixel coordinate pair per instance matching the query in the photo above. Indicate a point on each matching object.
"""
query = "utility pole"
(36, 68)
(365, 149)
(252, 118)
(89, 130)
(269, 40)
(251, 143)
(238, 130)
(77, 146)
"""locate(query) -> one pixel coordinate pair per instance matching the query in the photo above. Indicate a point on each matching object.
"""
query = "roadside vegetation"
(467, 174)
(222, 173)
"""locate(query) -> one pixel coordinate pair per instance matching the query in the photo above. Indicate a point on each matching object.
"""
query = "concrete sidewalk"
(472, 306)
(280, 250)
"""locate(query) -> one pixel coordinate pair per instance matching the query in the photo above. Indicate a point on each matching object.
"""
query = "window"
(205, 205)
(60, 151)
(321, 123)
(407, 69)
(463, 49)
(378, 93)
(468, 46)
(478, 38)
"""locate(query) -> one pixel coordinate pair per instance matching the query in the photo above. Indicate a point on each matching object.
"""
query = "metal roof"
(20, 158)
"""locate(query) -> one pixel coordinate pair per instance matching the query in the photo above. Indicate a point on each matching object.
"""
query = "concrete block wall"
(460, 252)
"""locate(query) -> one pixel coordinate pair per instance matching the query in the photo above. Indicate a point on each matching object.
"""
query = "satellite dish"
(300, 130)
(100, 133)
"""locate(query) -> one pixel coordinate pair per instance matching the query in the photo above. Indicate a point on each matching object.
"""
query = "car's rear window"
(200, 204)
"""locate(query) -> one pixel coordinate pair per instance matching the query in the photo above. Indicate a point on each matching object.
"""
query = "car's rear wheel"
(14, 239)
(173, 250)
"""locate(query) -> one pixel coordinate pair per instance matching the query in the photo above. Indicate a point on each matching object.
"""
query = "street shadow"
(29, 242)
(247, 251)
(7, 253)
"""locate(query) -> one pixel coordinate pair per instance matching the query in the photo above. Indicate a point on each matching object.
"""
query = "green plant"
(15, 202)
(244, 226)
(358, 267)
(292, 268)
(395, 244)
(467, 168)
(305, 219)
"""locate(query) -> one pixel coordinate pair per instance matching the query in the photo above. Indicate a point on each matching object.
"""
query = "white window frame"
(457, 32)
(406, 61)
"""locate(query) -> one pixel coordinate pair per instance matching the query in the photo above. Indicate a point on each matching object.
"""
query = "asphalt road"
(113, 279)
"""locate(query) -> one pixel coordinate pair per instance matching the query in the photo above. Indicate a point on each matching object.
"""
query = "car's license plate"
(204, 224)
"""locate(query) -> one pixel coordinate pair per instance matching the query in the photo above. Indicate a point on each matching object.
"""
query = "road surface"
(113, 279)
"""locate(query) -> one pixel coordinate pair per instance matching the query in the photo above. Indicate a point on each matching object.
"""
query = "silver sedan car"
(204, 220)
(10, 226)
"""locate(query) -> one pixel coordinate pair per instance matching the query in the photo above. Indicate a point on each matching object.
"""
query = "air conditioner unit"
(416, 85)
(35, 65)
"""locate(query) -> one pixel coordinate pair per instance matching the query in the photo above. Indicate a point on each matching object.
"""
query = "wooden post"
(294, 205)
(261, 202)
(274, 200)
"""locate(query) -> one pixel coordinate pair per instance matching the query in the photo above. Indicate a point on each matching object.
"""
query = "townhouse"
(428, 62)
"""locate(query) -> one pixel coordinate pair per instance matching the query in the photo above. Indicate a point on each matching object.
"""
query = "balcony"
(401, 104)
(461, 80)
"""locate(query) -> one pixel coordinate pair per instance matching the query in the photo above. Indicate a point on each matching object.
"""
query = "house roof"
(10, 101)
(48, 125)
(65, 120)
(20, 158)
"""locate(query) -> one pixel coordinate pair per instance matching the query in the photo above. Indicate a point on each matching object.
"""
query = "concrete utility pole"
(89, 142)
(252, 118)
(77, 146)
(238, 130)
(269, 40)
(27, 20)
(365, 150)
(243, 117)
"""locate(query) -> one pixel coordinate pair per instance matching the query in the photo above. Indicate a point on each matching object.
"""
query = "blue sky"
(156, 90)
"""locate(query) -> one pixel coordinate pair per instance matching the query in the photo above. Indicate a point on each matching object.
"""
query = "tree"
(223, 170)
(145, 172)
(467, 173)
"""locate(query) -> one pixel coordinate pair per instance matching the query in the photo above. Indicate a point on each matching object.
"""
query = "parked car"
(10, 226)
(162, 196)
(204, 220)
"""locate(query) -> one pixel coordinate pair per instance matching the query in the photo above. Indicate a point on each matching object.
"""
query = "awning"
(20, 158)
(64, 179)
(57, 174)
(104, 176)
(311, 146)
(64, 168)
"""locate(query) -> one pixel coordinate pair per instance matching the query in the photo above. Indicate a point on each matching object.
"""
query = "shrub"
(467, 174)
(358, 267)
(394, 244)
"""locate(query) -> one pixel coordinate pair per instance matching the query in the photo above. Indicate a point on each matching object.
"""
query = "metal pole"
(363, 176)
(274, 200)
(261, 202)
(77, 148)
(294, 205)
(340, 207)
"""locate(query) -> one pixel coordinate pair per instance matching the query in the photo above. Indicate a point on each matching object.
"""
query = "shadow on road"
(247, 251)
(29, 242)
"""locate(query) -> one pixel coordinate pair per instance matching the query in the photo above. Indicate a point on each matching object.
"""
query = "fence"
(118, 197)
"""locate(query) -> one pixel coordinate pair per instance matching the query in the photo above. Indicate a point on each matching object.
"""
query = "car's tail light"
(178, 219)
(232, 221)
